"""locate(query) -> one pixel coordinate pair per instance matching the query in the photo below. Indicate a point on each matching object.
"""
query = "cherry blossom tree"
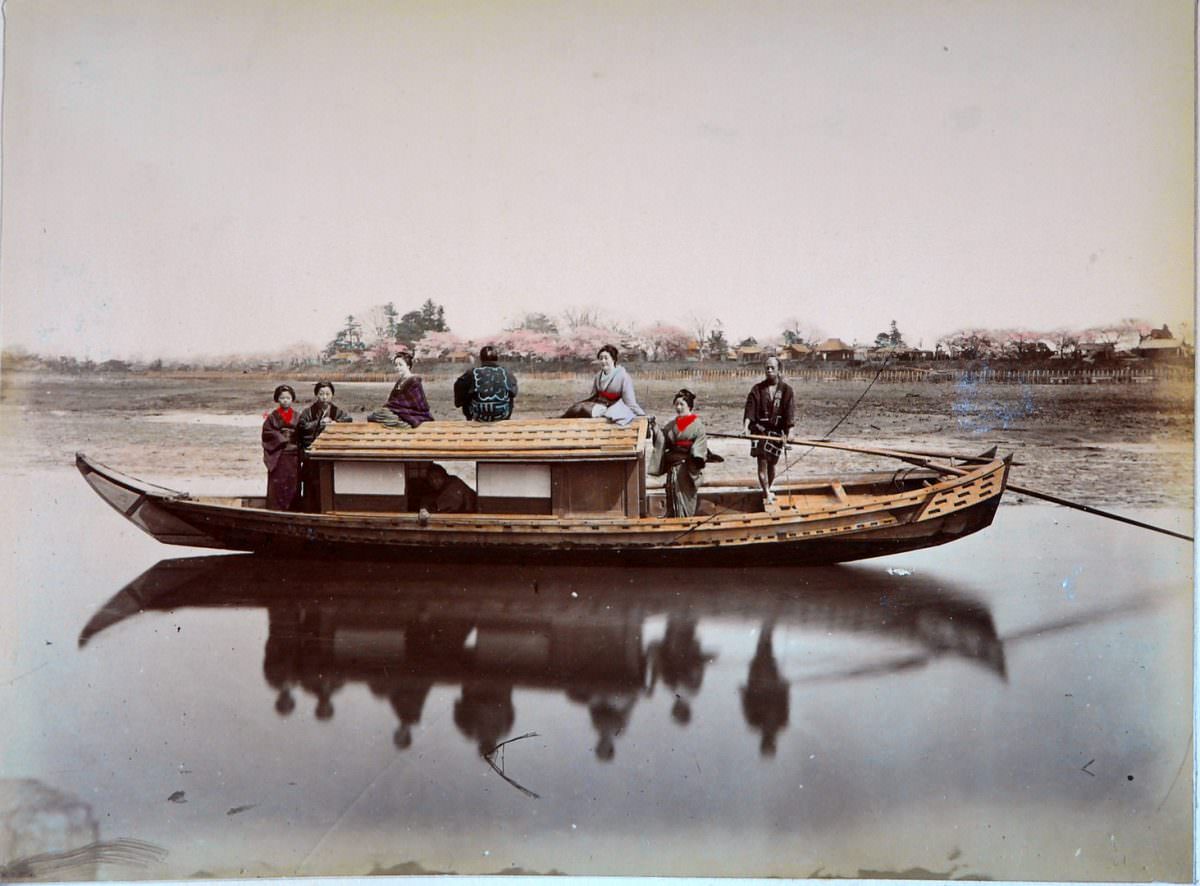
(1066, 342)
(969, 344)
(435, 345)
(583, 342)
(1019, 343)
(529, 344)
(663, 341)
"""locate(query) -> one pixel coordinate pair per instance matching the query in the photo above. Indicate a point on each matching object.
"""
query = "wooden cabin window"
(368, 478)
(369, 486)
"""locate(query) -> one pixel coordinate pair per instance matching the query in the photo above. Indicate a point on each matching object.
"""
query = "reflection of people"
(323, 687)
(484, 712)
(680, 450)
(318, 416)
(406, 680)
(407, 401)
(770, 412)
(446, 494)
(765, 695)
(486, 392)
(610, 714)
(612, 392)
(281, 453)
(280, 657)
(610, 710)
(679, 662)
(408, 701)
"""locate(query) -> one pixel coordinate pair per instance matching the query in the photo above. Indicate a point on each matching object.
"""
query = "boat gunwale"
(569, 523)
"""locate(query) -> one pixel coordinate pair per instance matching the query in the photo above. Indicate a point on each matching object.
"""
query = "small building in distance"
(895, 354)
(347, 358)
(834, 350)
(751, 354)
(1161, 349)
(1097, 351)
(795, 353)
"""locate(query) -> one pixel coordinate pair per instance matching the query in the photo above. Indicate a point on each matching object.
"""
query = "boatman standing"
(770, 412)
(486, 392)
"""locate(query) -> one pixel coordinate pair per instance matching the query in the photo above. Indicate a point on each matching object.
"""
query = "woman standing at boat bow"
(319, 415)
(281, 453)
(680, 451)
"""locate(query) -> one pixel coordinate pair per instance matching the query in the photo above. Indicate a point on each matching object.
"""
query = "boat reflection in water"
(402, 630)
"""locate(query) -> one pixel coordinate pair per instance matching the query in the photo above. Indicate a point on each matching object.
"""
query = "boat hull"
(907, 521)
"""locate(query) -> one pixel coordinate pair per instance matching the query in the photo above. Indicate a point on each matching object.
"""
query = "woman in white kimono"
(612, 393)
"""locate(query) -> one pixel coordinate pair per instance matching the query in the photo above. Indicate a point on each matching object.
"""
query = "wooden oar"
(910, 457)
(1088, 509)
(913, 458)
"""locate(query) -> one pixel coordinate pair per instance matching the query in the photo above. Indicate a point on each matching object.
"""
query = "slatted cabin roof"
(514, 440)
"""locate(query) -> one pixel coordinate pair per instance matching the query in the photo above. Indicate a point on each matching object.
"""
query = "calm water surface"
(1016, 705)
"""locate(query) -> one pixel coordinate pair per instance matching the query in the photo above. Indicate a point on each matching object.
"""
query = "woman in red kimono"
(683, 445)
(281, 453)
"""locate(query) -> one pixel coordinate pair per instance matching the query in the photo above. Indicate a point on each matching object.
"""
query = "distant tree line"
(369, 339)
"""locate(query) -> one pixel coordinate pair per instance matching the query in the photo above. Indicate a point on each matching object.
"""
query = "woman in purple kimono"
(680, 452)
(281, 453)
(612, 393)
(407, 401)
(318, 416)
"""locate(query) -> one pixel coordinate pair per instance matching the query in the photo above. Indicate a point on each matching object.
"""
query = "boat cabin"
(561, 467)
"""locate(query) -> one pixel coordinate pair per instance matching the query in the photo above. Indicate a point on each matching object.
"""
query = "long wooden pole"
(917, 458)
(1088, 509)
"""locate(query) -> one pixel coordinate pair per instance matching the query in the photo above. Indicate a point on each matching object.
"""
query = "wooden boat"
(560, 491)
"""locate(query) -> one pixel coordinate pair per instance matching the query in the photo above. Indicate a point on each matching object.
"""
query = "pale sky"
(186, 177)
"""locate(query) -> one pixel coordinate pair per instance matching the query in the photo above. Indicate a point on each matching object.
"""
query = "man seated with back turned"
(486, 392)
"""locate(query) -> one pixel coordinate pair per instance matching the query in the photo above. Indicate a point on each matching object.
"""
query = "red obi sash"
(610, 396)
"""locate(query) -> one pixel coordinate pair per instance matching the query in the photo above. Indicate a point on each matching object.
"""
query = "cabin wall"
(505, 488)
(600, 487)
(585, 488)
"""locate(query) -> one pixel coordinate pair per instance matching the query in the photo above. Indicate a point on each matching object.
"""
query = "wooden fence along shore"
(804, 375)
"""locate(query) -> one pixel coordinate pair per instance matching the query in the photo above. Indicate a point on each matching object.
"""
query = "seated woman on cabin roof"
(407, 402)
(680, 452)
(612, 392)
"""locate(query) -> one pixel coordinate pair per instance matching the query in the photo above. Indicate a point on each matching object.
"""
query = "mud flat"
(1103, 444)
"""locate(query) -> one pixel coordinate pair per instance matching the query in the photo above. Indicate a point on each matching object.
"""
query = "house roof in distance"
(834, 344)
